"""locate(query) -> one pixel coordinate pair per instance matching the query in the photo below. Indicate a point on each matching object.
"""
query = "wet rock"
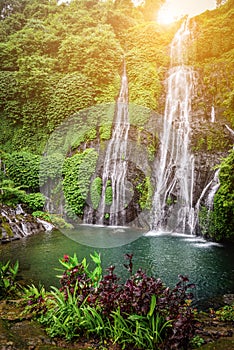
(15, 223)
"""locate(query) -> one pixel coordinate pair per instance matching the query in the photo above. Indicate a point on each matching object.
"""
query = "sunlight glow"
(173, 10)
(166, 15)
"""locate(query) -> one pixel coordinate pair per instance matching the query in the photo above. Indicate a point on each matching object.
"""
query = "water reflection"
(103, 236)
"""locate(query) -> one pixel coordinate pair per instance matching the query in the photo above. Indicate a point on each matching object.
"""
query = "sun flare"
(166, 16)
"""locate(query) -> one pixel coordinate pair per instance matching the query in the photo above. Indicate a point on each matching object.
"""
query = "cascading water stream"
(209, 192)
(207, 196)
(115, 166)
(214, 188)
(115, 163)
(212, 115)
(173, 197)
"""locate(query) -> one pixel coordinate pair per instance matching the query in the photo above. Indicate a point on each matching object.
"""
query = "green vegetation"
(8, 274)
(77, 172)
(95, 192)
(23, 169)
(226, 313)
(139, 312)
(224, 200)
(108, 193)
(211, 52)
(20, 180)
(59, 59)
(12, 195)
(218, 223)
(146, 192)
(56, 220)
(197, 342)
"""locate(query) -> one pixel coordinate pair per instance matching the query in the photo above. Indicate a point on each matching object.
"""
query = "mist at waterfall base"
(208, 265)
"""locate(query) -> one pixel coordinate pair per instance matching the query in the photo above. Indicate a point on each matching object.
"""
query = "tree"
(9, 7)
(74, 92)
(95, 52)
(150, 9)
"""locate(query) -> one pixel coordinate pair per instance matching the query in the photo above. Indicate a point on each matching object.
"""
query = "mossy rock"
(8, 229)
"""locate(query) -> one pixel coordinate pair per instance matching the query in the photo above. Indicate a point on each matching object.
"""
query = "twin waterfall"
(114, 183)
(173, 207)
(115, 163)
(173, 198)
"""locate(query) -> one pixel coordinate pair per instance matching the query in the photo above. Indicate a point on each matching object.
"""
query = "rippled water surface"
(210, 266)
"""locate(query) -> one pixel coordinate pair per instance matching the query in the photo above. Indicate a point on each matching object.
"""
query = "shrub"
(140, 312)
(35, 201)
(12, 195)
(9, 194)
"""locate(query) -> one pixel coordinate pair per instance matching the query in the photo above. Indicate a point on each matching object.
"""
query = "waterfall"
(211, 188)
(114, 172)
(212, 115)
(229, 129)
(214, 188)
(174, 171)
(207, 197)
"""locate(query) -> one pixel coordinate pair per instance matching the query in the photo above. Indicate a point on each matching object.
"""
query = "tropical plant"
(12, 195)
(34, 300)
(77, 278)
(8, 273)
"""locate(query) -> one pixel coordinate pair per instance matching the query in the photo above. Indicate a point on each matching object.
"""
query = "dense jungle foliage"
(211, 53)
(60, 59)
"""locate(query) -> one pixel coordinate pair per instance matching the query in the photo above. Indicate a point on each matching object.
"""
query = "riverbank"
(19, 332)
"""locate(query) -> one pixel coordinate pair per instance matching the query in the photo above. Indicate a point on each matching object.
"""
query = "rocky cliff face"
(210, 138)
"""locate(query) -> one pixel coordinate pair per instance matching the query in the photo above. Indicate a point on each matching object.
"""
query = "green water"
(208, 265)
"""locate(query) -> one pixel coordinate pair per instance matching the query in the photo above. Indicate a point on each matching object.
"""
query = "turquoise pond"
(209, 265)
